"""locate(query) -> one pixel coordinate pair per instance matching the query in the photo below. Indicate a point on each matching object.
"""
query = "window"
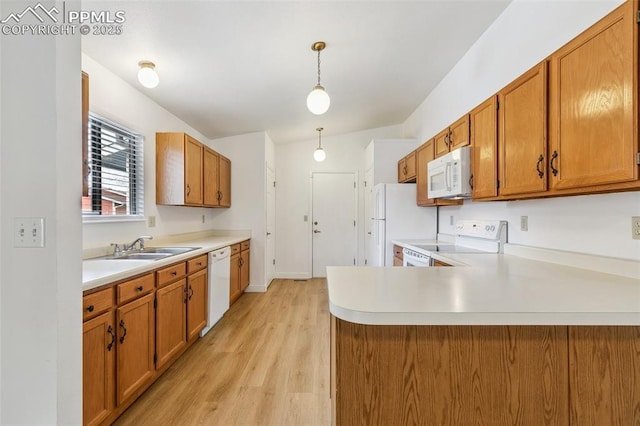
(115, 171)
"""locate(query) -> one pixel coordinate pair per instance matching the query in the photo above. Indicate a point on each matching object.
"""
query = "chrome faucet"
(139, 241)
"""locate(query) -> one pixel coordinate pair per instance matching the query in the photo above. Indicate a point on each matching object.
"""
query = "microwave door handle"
(447, 176)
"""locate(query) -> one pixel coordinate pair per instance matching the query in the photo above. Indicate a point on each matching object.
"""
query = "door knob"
(315, 231)
(268, 233)
(315, 223)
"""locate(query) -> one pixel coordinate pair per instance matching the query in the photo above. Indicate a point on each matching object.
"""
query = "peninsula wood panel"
(522, 136)
(593, 90)
(450, 375)
(85, 134)
(484, 149)
(605, 375)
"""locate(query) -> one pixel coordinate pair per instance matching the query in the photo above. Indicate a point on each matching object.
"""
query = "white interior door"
(333, 221)
(270, 241)
(368, 223)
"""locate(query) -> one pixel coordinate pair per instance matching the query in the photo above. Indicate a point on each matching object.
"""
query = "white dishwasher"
(219, 275)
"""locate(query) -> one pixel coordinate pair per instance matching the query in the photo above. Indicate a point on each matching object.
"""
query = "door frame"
(356, 191)
(270, 269)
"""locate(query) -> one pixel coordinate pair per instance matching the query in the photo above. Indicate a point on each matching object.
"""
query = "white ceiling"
(234, 67)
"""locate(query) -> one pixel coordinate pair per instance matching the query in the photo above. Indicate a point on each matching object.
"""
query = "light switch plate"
(28, 232)
(524, 223)
(635, 227)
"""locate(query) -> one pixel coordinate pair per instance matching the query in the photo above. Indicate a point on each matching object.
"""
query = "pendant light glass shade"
(319, 155)
(318, 100)
(147, 75)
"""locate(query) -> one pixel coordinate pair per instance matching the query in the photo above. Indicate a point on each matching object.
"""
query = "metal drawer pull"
(113, 338)
(553, 157)
(174, 273)
(90, 308)
(140, 288)
(124, 330)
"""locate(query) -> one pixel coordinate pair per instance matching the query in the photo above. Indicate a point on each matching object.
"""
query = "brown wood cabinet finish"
(171, 273)
(135, 323)
(197, 303)
(593, 104)
(484, 149)
(454, 136)
(449, 375)
(604, 377)
(522, 139)
(240, 270)
(98, 369)
(193, 171)
(171, 321)
(135, 288)
(96, 303)
(234, 279)
(402, 167)
(225, 182)
(197, 263)
(211, 178)
(424, 154)
(407, 168)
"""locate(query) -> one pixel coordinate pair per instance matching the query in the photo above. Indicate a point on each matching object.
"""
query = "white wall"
(525, 34)
(113, 98)
(248, 158)
(345, 153)
(40, 306)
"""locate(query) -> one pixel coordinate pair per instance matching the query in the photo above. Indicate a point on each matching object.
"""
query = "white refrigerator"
(396, 216)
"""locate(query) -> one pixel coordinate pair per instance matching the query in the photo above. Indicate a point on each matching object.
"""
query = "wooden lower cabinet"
(135, 323)
(484, 375)
(234, 279)
(171, 321)
(240, 270)
(244, 269)
(197, 303)
(98, 368)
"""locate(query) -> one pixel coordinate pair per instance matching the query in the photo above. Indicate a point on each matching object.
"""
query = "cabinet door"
(522, 143)
(196, 303)
(244, 270)
(401, 170)
(484, 149)
(171, 327)
(225, 182)
(424, 154)
(193, 171)
(98, 369)
(234, 281)
(459, 133)
(441, 143)
(593, 111)
(210, 180)
(135, 323)
(410, 164)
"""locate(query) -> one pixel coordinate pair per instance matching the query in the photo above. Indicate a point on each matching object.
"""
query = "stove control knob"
(493, 227)
(487, 227)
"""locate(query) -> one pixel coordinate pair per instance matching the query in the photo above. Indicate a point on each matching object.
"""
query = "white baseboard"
(293, 275)
(251, 288)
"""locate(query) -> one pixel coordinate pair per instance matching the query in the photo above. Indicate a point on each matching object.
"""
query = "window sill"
(86, 220)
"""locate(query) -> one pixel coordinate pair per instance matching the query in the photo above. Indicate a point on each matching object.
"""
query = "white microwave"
(449, 176)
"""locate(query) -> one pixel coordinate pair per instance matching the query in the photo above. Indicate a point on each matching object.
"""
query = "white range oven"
(473, 236)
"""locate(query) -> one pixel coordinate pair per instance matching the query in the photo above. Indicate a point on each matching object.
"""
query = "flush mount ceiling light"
(147, 75)
(319, 154)
(318, 100)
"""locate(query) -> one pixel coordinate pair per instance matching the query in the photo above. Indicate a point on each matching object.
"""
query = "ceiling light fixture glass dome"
(318, 100)
(147, 75)
(319, 155)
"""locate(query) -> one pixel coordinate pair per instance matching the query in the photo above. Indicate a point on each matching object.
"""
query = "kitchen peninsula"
(503, 340)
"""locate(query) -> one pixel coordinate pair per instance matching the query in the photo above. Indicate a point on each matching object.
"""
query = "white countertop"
(485, 289)
(98, 272)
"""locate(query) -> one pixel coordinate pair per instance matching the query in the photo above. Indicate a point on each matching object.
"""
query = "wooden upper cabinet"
(593, 89)
(402, 167)
(211, 179)
(454, 136)
(424, 154)
(522, 140)
(407, 168)
(484, 149)
(225, 182)
(189, 173)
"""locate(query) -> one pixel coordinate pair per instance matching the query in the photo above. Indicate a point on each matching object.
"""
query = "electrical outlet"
(202, 218)
(524, 223)
(635, 227)
(152, 221)
(28, 232)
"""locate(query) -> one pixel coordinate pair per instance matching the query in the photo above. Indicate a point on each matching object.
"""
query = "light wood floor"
(265, 363)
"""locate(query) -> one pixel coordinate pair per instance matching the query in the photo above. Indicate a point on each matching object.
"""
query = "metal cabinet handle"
(190, 292)
(540, 172)
(90, 308)
(113, 338)
(450, 138)
(188, 189)
(124, 330)
(174, 273)
(219, 195)
(139, 288)
(553, 157)
(471, 181)
(315, 231)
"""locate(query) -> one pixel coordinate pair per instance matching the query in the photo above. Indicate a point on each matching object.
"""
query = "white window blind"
(116, 175)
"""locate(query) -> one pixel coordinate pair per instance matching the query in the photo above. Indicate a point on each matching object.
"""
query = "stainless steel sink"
(151, 253)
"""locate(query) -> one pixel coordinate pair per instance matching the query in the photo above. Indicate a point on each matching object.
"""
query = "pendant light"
(319, 155)
(318, 100)
(147, 75)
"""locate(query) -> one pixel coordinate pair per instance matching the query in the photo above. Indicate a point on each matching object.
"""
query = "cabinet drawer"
(97, 303)
(397, 252)
(235, 249)
(244, 245)
(197, 263)
(171, 273)
(132, 289)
